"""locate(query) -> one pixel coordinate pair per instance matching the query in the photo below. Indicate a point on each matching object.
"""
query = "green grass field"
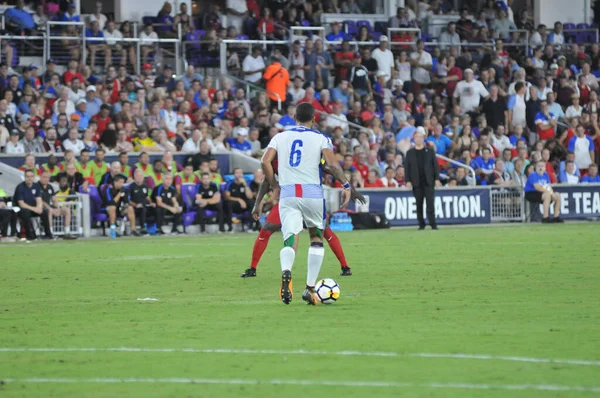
(530, 292)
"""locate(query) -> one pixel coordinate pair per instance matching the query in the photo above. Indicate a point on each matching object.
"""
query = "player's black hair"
(205, 174)
(156, 161)
(305, 112)
(119, 177)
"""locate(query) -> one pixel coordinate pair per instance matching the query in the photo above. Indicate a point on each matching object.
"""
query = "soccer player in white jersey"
(299, 151)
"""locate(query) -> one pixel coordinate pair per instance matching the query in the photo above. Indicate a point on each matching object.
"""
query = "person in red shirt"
(266, 25)
(310, 98)
(102, 118)
(372, 181)
(549, 166)
(584, 90)
(343, 61)
(360, 164)
(72, 72)
(369, 113)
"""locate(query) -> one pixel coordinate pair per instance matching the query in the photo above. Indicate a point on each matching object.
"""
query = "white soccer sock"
(287, 256)
(315, 260)
(68, 230)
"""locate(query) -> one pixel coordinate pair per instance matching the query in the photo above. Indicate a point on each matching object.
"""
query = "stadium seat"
(242, 37)
(376, 35)
(381, 27)
(188, 195)
(350, 27)
(366, 23)
(96, 214)
(201, 33)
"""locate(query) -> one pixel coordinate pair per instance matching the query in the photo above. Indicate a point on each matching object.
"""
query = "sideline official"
(422, 175)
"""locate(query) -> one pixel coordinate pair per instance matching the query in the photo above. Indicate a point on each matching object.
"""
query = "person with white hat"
(469, 92)
(422, 175)
(384, 58)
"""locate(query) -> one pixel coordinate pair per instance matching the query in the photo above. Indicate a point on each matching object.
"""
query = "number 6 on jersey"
(296, 153)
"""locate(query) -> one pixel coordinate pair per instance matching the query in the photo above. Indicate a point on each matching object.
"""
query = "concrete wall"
(573, 11)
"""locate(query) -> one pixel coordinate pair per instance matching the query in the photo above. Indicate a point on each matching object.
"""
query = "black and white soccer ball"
(328, 291)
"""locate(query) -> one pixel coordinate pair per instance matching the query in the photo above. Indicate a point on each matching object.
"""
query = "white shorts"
(293, 211)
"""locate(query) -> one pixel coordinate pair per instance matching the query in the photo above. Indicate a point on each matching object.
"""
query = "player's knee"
(289, 242)
(270, 227)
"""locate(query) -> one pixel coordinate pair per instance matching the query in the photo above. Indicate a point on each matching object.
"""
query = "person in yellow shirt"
(99, 166)
(144, 143)
(69, 158)
(156, 174)
(125, 168)
(52, 167)
(85, 167)
(215, 176)
(144, 164)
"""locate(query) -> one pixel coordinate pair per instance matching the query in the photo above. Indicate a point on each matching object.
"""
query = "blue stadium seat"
(242, 37)
(350, 27)
(366, 23)
(188, 195)
(381, 27)
(148, 20)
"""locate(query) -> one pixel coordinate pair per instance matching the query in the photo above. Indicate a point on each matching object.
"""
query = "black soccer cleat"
(346, 271)
(310, 296)
(286, 287)
(249, 273)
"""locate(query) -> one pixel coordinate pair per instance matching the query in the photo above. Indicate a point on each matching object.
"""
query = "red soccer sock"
(335, 245)
(260, 245)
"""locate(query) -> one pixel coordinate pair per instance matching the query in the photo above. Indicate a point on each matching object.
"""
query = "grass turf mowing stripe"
(332, 383)
(581, 362)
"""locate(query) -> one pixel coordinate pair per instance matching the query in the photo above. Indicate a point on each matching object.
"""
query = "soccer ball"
(328, 291)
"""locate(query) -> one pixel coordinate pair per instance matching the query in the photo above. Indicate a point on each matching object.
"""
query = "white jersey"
(299, 152)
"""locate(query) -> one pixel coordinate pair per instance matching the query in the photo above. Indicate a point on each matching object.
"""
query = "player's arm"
(215, 199)
(263, 189)
(354, 194)
(337, 173)
(267, 166)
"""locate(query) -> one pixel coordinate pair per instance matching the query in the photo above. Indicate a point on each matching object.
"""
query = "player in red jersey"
(273, 224)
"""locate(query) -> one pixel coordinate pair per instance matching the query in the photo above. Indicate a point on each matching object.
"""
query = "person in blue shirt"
(70, 15)
(336, 33)
(288, 118)
(592, 176)
(442, 142)
(241, 143)
(97, 44)
(483, 166)
(81, 110)
(341, 93)
(538, 190)
(28, 196)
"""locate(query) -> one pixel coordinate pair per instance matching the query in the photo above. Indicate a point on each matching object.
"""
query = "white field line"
(335, 383)
(580, 362)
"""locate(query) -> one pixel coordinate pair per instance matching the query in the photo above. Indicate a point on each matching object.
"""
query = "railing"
(75, 45)
(308, 29)
(507, 203)
(470, 180)
(255, 88)
(26, 46)
(224, 44)
(74, 205)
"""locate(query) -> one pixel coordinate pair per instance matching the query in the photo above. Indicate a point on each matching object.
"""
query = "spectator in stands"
(148, 41)
(109, 176)
(350, 7)
(575, 110)
(592, 177)
(503, 25)
(99, 16)
(449, 37)
(441, 142)
(557, 36)
(73, 143)
(545, 123)
(51, 203)
(483, 166)
(165, 197)
(567, 176)
(75, 92)
(470, 92)
(517, 107)
(422, 64)
(208, 198)
(239, 198)
(500, 176)
(464, 25)
(384, 58)
(582, 146)
(389, 178)
(30, 143)
(538, 190)
(372, 180)
(253, 65)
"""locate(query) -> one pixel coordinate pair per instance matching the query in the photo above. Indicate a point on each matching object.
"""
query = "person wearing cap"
(470, 92)
(80, 112)
(358, 77)
(241, 144)
(384, 58)
(166, 80)
(14, 146)
(93, 103)
(575, 109)
(422, 176)
(336, 33)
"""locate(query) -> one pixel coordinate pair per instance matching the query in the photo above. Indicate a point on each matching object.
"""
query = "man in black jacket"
(422, 175)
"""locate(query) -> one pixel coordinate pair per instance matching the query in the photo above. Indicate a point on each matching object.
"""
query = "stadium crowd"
(494, 107)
